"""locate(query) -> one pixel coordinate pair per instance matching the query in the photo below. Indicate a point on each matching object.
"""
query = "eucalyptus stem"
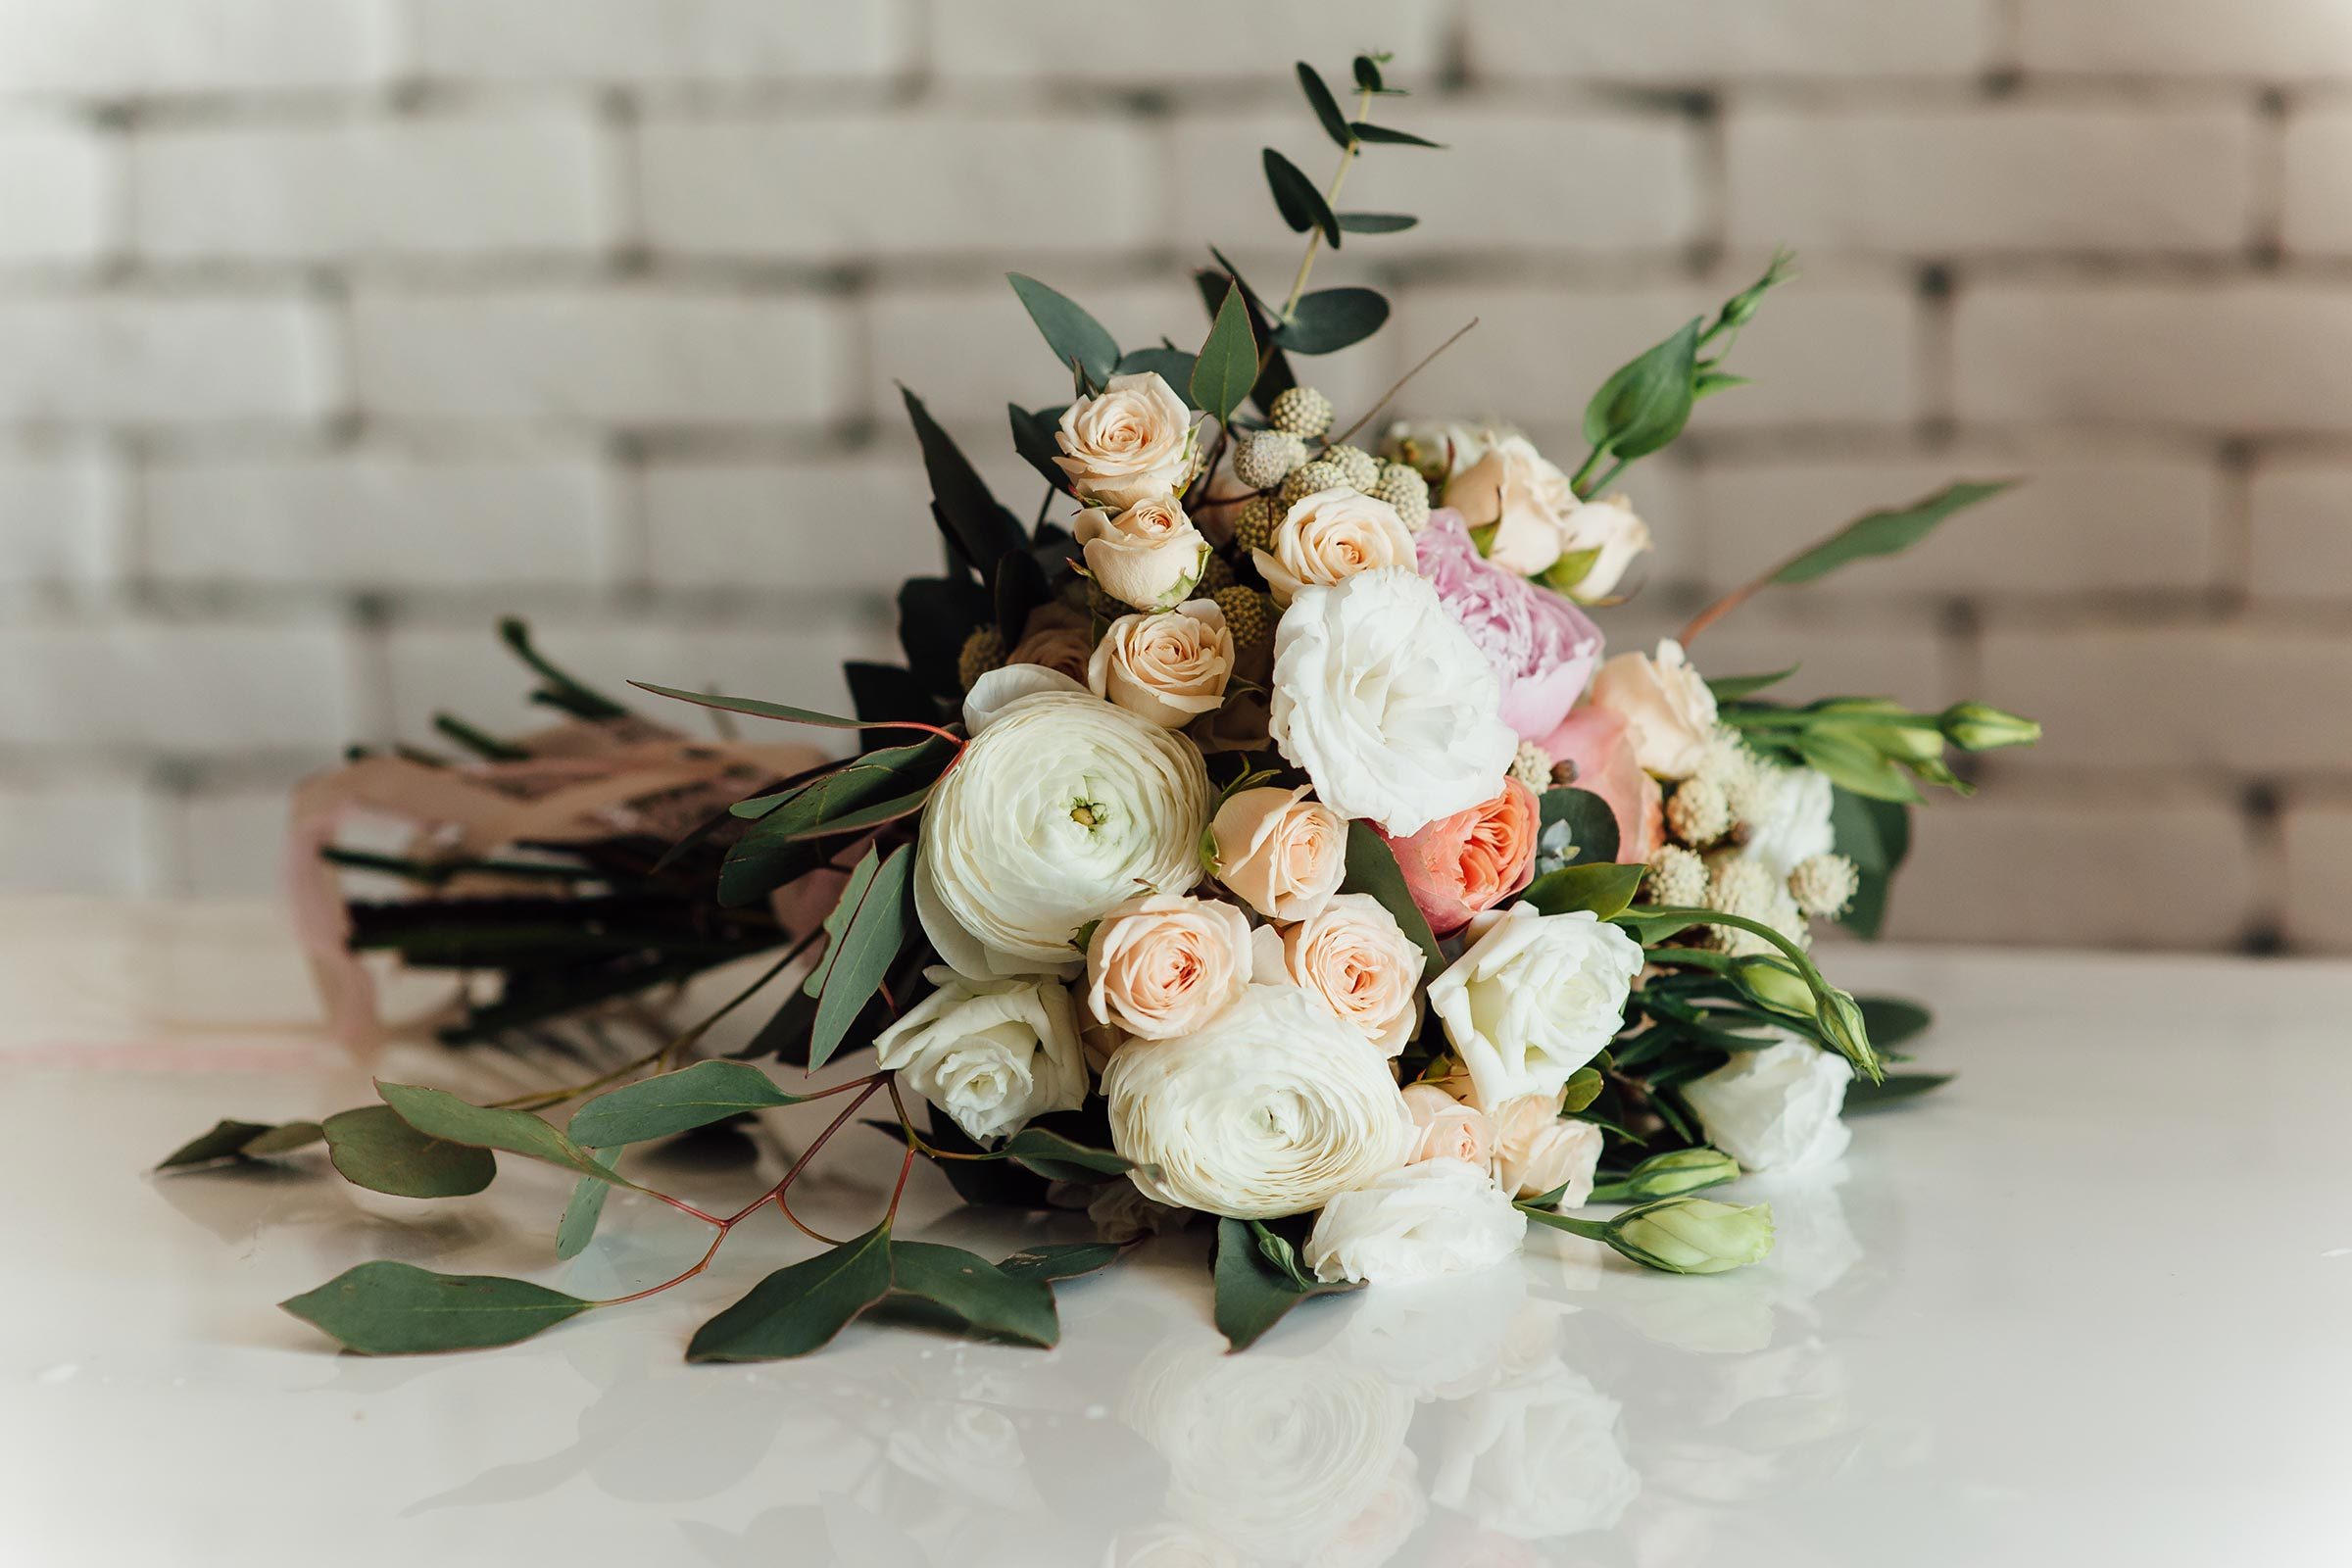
(1331, 197)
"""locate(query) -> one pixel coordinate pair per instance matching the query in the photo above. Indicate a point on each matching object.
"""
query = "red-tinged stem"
(900, 1191)
(701, 1264)
(684, 1208)
(851, 1109)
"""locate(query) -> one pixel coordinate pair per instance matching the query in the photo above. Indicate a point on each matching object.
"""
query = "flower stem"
(1331, 196)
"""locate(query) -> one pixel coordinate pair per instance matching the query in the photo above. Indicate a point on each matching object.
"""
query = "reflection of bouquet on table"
(1260, 834)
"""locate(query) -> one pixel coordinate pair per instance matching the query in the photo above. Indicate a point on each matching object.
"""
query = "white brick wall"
(328, 328)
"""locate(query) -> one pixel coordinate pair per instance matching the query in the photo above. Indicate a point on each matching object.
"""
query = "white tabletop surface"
(2092, 1304)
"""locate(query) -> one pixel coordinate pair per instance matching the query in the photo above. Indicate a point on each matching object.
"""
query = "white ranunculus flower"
(1436, 1216)
(1063, 806)
(1534, 998)
(1776, 1108)
(1130, 442)
(992, 1053)
(1788, 817)
(1007, 684)
(1387, 704)
(1271, 1109)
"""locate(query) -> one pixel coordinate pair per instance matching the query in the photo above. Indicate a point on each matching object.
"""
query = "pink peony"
(1541, 647)
(1597, 742)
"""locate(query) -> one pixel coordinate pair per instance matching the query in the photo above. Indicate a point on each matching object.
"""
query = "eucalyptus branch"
(1331, 197)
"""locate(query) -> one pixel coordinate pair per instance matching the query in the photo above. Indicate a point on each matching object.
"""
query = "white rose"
(1169, 668)
(1150, 556)
(1271, 1109)
(1538, 1150)
(1436, 1216)
(1387, 704)
(1330, 536)
(1130, 442)
(1063, 806)
(1785, 812)
(1534, 998)
(1776, 1108)
(1609, 527)
(992, 1053)
(1668, 711)
(1523, 495)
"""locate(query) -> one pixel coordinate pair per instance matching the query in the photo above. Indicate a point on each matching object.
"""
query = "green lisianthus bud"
(1692, 1235)
(1669, 1175)
(1976, 727)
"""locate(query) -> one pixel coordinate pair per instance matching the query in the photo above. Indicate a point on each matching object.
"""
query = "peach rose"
(1666, 705)
(1351, 957)
(1170, 667)
(1279, 851)
(1537, 1149)
(1448, 1129)
(1330, 536)
(1473, 859)
(1163, 966)
(1595, 742)
(1520, 494)
(1129, 442)
(1061, 637)
(1148, 555)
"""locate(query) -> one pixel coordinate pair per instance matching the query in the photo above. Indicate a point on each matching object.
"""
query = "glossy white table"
(2089, 1305)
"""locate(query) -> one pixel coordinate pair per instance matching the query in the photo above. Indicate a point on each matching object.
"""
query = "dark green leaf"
(1331, 319)
(1074, 336)
(1583, 1087)
(1019, 586)
(1603, 889)
(284, 1139)
(1835, 1015)
(1172, 366)
(229, 1140)
(1591, 824)
(752, 705)
(586, 1206)
(1326, 107)
(374, 1149)
(675, 1102)
(1887, 533)
(1854, 766)
(999, 1183)
(1367, 73)
(1274, 377)
(1730, 687)
(562, 690)
(1033, 438)
(1647, 402)
(1227, 363)
(1059, 1158)
(837, 919)
(437, 1113)
(398, 1310)
(1376, 222)
(876, 931)
(850, 800)
(1302, 206)
(1061, 1260)
(1366, 132)
(798, 1309)
(976, 1290)
(1279, 1252)
(978, 527)
(1892, 1020)
(1252, 1293)
(1862, 1096)
(1372, 868)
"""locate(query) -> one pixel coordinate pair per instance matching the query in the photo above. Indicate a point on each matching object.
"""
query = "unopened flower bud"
(1692, 1235)
(1669, 1175)
(1974, 727)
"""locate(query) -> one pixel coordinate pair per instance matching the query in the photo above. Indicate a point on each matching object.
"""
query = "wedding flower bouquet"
(1266, 835)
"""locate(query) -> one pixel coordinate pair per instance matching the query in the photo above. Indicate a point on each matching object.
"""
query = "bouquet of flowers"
(1260, 836)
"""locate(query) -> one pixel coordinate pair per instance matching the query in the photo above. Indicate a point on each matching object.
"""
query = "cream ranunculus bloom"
(1350, 955)
(1007, 684)
(1776, 1108)
(1270, 1110)
(1609, 527)
(1130, 442)
(1668, 711)
(1163, 965)
(1436, 1216)
(1279, 851)
(1387, 704)
(1537, 1149)
(1170, 667)
(1534, 998)
(1062, 808)
(1329, 537)
(1148, 555)
(992, 1053)
(1523, 495)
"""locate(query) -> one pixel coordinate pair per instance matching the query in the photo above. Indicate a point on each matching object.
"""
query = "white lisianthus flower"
(1789, 817)
(1130, 442)
(1776, 1108)
(1435, 1216)
(992, 1053)
(1063, 806)
(1534, 998)
(1271, 1109)
(1387, 704)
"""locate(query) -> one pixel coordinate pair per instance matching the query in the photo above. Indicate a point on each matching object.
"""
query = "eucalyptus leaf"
(1302, 204)
(675, 1102)
(374, 1147)
(870, 944)
(1060, 1158)
(1366, 132)
(798, 1309)
(586, 1205)
(1583, 1087)
(1331, 319)
(1887, 533)
(1325, 107)
(1059, 1260)
(837, 919)
(1376, 222)
(1074, 336)
(241, 1140)
(1252, 1293)
(1226, 366)
(1274, 376)
(1591, 823)
(1647, 403)
(983, 1295)
(438, 1113)
(1602, 889)
(1170, 365)
(389, 1309)
(1372, 868)
(1367, 73)
(978, 527)
(752, 705)
(1033, 433)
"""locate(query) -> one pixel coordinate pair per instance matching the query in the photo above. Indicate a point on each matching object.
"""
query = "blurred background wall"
(328, 328)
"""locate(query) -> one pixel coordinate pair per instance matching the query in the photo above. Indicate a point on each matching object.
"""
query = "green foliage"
(1076, 339)
(1302, 204)
(798, 1309)
(1669, 1175)
(374, 1147)
(674, 1103)
(1730, 687)
(1647, 402)
(877, 929)
(586, 1205)
(1376, 222)
(1583, 1087)
(1372, 868)
(1170, 364)
(1226, 368)
(801, 1308)
(1894, 1020)
(753, 705)
(1331, 319)
(1059, 1260)
(437, 1113)
(398, 1310)
(1389, 136)
(1274, 373)
(880, 787)
(1033, 432)
(1253, 1292)
(1325, 107)
(562, 690)
(1835, 1015)
(1885, 533)
(979, 529)
(1893, 1090)
(986, 1299)
(1591, 824)
(1603, 889)
(242, 1141)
